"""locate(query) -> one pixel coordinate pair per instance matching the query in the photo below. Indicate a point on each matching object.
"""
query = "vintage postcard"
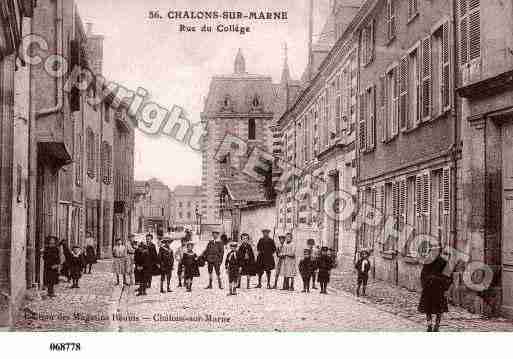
(256, 166)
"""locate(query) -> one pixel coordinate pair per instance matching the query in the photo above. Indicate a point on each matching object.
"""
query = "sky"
(176, 67)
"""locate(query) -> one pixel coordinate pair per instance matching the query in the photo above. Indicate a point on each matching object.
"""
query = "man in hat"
(153, 258)
(265, 258)
(213, 255)
(281, 239)
(362, 268)
(166, 262)
(306, 269)
(289, 266)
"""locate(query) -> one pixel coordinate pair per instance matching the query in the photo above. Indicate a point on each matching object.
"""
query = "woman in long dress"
(89, 253)
(119, 252)
(289, 268)
(434, 285)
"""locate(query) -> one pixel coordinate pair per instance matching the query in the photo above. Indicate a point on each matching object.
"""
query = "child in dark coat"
(306, 269)
(75, 263)
(362, 267)
(166, 262)
(143, 267)
(232, 264)
(190, 266)
(325, 264)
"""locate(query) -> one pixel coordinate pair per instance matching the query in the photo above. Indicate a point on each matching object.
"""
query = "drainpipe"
(455, 145)
(59, 51)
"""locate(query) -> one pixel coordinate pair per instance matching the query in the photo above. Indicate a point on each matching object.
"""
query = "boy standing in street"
(232, 265)
(277, 273)
(325, 264)
(362, 267)
(213, 255)
(166, 262)
(190, 266)
(306, 269)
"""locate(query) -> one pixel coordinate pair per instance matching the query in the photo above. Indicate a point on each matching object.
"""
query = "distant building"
(188, 201)
(153, 206)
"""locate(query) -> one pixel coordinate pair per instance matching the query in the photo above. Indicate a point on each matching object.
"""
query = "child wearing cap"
(76, 265)
(178, 258)
(325, 264)
(232, 265)
(362, 267)
(190, 266)
(166, 262)
(306, 269)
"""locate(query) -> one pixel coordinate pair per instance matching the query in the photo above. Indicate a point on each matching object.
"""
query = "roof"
(248, 192)
(182, 190)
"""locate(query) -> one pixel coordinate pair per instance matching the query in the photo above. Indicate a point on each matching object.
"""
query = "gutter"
(454, 147)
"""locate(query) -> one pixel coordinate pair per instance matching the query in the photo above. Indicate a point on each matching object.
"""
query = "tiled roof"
(182, 190)
(248, 192)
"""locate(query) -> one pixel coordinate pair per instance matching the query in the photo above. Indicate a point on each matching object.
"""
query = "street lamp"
(198, 222)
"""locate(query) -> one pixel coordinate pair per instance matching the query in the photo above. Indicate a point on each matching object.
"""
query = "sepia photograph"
(271, 166)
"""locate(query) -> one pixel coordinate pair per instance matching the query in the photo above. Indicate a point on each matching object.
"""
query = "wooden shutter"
(371, 118)
(395, 101)
(395, 199)
(418, 195)
(403, 93)
(363, 41)
(426, 194)
(372, 41)
(446, 190)
(463, 40)
(445, 79)
(390, 19)
(383, 108)
(362, 125)
(474, 30)
(426, 91)
(403, 194)
(412, 8)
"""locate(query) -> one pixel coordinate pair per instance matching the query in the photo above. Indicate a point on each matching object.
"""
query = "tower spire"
(240, 63)
(285, 72)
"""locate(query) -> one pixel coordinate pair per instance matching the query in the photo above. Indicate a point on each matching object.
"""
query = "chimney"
(89, 28)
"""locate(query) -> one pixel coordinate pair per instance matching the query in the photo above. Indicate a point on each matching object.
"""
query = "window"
(90, 147)
(413, 9)
(106, 163)
(188, 215)
(390, 20)
(107, 112)
(403, 93)
(445, 71)
(389, 99)
(180, 204)
(426, 86)
(367, 132)
(413, 89)
(189, 204)
(423, 202)
(367, 43)
(251, 129)
(180, 215)
(469, 30)
(78, 161)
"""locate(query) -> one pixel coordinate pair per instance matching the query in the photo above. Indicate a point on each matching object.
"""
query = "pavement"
(100, 306)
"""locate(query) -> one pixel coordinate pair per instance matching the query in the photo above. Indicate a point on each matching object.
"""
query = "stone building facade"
(318, 134)
(15, 120)
(154, 206)
(246, 106)
(484, 75)
(58, 144)
(187, 202)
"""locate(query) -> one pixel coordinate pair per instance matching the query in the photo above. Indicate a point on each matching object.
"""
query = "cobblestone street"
(385, 309)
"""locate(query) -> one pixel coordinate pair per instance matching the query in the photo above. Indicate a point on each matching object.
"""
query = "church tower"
(240, 64)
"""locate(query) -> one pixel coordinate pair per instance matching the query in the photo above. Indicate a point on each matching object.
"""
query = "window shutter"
(395, 101)
(382, 108)
(395, 199)
(371, 116)
(446, 184)
(361, 129)
(402, 198)
(412, 8)
(403, 93)
(363, 41)
(418, 195)
(474, 30)
(426, 78)
(390, 19)
(372, 41)
(446, 67)
(426, 194)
